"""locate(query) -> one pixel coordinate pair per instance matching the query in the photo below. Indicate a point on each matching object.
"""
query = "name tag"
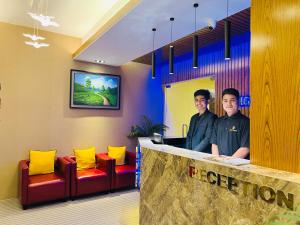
(233, 129)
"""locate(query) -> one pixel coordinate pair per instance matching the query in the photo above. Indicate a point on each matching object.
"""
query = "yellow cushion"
(118, 153)
(85, 158)
(41, 162)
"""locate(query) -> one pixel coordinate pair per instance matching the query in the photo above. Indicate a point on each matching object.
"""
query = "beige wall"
(35, 113)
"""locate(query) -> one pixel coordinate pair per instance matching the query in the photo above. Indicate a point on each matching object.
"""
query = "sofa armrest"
(103, 155)
(73, 174)
(63, 167)
(70, 159)
(131, 158)
(103, 162)
(23, 181)
(73, 163)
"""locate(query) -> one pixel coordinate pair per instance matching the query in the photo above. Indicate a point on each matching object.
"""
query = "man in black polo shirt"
(201, 124)
(231, 132)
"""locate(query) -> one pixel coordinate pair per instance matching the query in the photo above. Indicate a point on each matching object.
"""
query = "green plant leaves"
(146, 129)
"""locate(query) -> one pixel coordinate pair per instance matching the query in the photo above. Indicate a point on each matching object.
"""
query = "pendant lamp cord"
(227, 8)
(153, 39)
(195, 19)
(171, 31)
(46, 7)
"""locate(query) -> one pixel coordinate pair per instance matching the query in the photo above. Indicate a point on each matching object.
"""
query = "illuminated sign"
(245, 101)
(138, 167)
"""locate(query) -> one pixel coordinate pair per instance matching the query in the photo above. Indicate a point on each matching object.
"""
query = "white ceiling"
(76, 17)
(129, 38)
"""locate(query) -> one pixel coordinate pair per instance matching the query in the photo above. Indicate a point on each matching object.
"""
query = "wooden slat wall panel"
(240, 23)
(275, 84)
(233, 73)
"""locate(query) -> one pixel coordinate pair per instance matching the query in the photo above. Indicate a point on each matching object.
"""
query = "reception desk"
(184, 187)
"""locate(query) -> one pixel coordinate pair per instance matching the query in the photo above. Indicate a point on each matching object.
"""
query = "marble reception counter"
(180, 186)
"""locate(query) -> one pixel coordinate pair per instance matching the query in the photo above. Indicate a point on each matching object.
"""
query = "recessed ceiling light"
(99, 61)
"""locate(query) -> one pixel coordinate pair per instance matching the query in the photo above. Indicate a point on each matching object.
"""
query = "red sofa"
(44, 187)
(93, 180)
(124, 176)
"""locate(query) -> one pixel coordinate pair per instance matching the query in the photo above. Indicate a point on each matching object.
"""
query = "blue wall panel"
(232, 73)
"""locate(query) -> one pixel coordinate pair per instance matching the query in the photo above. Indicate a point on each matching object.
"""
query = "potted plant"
(146, 128)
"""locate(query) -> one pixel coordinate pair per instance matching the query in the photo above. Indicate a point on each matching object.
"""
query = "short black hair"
(203, 92)
(231, 91)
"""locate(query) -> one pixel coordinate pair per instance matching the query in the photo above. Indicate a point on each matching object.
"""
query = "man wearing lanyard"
(231, 132)
(201, 124)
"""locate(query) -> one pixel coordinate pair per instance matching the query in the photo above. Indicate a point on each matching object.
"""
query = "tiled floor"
(120, 208)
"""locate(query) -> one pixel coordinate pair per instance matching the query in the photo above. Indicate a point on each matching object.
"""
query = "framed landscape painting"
(94, 90)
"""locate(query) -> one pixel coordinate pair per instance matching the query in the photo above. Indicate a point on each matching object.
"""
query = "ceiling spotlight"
(211, 23)
(99, 61)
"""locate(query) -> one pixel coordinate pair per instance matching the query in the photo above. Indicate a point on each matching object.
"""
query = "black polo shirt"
(231, 133)
(200, 129)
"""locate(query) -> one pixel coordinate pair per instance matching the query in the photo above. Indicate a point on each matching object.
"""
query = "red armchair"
(124, 176)
(91, 180)
(44, 187)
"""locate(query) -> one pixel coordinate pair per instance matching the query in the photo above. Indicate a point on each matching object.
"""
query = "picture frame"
(90, 90)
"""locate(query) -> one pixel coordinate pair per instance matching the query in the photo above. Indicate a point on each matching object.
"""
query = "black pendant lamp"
(171, 51)
(153, 55)
(195, 41)
(227, 30)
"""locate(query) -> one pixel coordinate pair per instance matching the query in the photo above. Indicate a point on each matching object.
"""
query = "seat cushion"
(124, 177)
(90, 173)
(125, 169)
(46, 187)
(44, 179)
(92, 181)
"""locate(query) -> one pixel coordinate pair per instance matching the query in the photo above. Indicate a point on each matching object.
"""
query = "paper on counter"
(229, 160)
